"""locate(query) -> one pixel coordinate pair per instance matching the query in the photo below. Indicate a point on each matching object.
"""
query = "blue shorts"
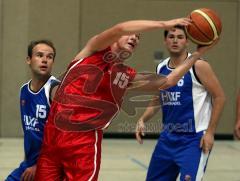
(16, 174)
(177, 153)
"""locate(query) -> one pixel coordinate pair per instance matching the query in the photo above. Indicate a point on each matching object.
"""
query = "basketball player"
(35, 98)
(237, 124)
(190, 110)
(90, 95)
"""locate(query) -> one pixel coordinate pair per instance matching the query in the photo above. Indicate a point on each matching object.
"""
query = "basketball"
(205, 28)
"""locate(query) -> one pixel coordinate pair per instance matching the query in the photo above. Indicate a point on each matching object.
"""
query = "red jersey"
(89, 96)
(91, 93)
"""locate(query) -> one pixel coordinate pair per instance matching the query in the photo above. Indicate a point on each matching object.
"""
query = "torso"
(187, 106)
(90, 94)
(34, 111)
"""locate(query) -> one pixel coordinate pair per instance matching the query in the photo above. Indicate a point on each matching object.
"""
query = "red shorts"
(71, 156)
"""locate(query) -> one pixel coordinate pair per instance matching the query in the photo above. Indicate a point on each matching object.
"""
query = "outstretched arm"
(181, 70)
(111, 35)
(153, 82)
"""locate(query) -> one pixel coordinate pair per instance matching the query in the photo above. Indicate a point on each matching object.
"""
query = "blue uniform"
(34, 108)
(186, 110)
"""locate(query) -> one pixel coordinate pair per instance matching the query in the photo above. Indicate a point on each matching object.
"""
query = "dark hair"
(177, 27)
(32, 44)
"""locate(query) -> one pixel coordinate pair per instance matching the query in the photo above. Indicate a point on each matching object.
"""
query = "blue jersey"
(34, 111)
(187, 106)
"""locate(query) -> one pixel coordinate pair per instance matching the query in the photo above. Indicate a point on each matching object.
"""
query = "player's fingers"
(185, 21)
(22, 176)
(27, 177)
(139, 138)
(206, 148)
(141, 130)
(31, 177)
(214, 42)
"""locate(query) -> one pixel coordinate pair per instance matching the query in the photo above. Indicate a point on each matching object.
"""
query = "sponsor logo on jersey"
(31, 123)
(170, 98)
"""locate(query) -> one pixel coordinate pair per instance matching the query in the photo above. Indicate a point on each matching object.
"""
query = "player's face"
(129, 42)
(176, 41)
(42, 60)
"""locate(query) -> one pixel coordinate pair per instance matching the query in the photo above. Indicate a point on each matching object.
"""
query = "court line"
(233, 147)
(138, 162)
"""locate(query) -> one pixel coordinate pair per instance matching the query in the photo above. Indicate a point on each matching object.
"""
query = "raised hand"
(174, 22)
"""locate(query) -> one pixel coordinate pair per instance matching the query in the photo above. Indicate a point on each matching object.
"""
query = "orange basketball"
(205, 28)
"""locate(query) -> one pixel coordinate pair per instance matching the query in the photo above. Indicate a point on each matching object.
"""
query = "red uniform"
(89, 97)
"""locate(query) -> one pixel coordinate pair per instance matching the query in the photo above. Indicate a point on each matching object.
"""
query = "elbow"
(221, 99)
(224, 99)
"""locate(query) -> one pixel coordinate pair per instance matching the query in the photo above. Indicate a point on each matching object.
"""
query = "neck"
(116, 50)
(177, 59)
(37, 83)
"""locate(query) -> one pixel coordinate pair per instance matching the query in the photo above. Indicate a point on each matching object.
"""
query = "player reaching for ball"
(190, 110)
(90, 95)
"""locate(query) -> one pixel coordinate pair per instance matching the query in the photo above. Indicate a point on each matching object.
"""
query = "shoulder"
(24, 87)
(54, 80)
(161, 64)
(93, 58)
(204, 72)
(202, 66)
(51, 82)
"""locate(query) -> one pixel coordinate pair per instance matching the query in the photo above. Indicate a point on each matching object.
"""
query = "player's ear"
(28, 59)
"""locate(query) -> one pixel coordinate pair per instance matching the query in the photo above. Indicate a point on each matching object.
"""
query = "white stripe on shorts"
(95, 156)
(201, 166)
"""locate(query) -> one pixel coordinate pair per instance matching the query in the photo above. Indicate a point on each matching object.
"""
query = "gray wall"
(69, 24)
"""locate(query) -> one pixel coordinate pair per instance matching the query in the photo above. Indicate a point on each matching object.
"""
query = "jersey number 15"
(41, 111)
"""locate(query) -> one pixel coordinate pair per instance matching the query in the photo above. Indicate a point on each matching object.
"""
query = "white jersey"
(186, 106)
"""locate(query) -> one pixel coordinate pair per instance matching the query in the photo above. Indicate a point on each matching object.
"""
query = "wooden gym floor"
(125, 159)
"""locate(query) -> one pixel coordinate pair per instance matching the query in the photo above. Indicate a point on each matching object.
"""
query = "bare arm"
(53, 90)
(212, 85)
(111, 35)
(237, 124)
(181, 70)
(151, 82)
(151, 110)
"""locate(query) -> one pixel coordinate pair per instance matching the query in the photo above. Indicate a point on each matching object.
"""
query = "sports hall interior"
(69, 24)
